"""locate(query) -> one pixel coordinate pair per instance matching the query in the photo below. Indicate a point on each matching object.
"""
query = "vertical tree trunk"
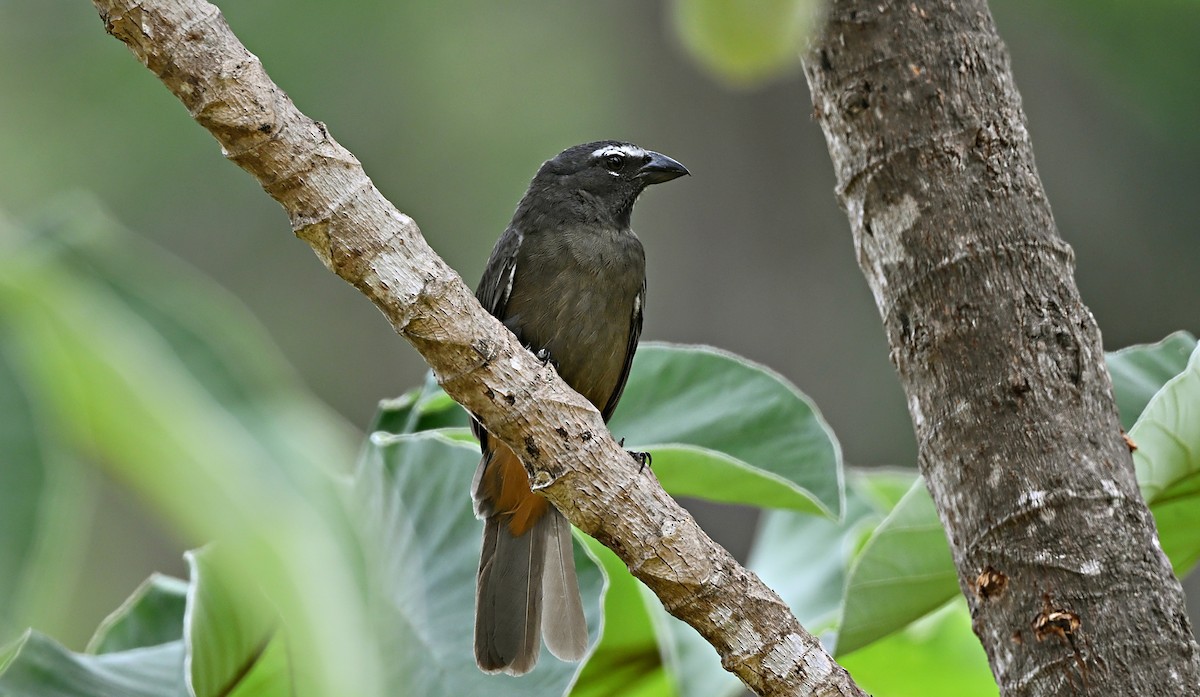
(1019, 440)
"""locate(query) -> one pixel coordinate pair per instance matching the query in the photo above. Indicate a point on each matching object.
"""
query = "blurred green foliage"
(157, 370)
(114, 354)
(745, 42)
(140, 363)
(322, 580)
(1146, 51)
(452, 105)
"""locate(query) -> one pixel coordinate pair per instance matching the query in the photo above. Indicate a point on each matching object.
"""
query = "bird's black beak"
(660, 168)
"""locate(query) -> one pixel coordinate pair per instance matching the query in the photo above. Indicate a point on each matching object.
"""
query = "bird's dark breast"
(575, 297)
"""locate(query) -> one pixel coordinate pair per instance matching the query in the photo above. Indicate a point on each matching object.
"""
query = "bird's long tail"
(526, 579)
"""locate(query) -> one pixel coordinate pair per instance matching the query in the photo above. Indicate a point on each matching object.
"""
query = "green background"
(452, 105)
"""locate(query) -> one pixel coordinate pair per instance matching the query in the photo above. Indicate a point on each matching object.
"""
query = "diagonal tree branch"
(563, 441)
(1019, 439)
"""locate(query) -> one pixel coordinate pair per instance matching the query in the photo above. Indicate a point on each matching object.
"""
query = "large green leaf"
(937, 656)
(802, 557)
(904, 572)
(232, 647)
(229, 629)
(153, 615)
(427, 408)
(36, 665)
(720, 427)
(45, 501)
(627, 661)
(882, 487)
(122, 384)
(767, 443)
(1139, 372)
(272, 674)
(22, 488)
(421, 550)
(895, 580)
(691, 663)
(1168, 464)
(807, 560)
(745, 42)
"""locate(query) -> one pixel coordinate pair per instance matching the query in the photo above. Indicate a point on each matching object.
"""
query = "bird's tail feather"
(508, 605)
(527, 561)
(517, 575)
(563, 624)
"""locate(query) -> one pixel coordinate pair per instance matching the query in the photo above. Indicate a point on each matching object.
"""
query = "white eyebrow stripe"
(633, 152)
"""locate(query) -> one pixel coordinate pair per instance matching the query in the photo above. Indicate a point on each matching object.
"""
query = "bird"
(568, 278)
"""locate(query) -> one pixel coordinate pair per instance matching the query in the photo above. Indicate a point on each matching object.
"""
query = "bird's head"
(600, 179)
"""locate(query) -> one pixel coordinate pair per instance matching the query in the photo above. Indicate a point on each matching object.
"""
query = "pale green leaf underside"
(627, 661)
(421, 550)
(37, 665)
(1139, 372)
(904, 571)
(936, 656)
(152, 615)
(1168, 463)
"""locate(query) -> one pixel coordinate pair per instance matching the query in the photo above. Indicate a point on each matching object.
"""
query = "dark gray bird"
(568, 277)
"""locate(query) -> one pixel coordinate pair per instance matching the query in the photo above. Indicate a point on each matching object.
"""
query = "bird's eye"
(614, 162)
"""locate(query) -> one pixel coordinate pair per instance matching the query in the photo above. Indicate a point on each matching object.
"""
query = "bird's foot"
(543, 355)
(643, 459)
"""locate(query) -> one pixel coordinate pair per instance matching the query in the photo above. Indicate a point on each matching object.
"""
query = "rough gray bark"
(1018, 435)
(561, 438)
